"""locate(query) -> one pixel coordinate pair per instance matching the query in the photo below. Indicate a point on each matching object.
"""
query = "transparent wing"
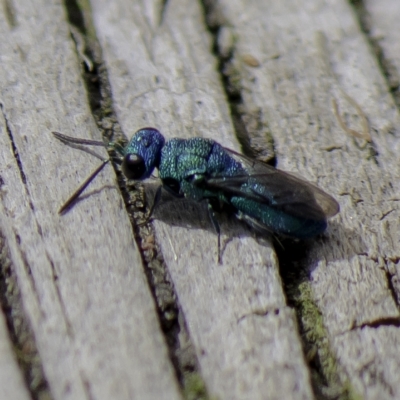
(276, 188)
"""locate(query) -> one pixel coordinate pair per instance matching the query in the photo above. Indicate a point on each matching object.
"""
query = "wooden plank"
(309, 54)
(12, 384)
(80, 275)
(379, 20)
(162, 74)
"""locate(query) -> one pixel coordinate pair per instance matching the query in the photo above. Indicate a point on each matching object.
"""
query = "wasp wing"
(279, 189)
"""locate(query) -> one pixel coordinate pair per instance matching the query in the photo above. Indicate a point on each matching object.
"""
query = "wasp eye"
(133, 166)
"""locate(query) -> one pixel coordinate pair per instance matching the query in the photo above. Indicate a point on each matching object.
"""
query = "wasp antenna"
(81, 144)
(82, 187)
(70, 139)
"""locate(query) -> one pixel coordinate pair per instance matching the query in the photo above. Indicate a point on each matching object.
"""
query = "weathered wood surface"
(80, 276)
(169, 80)
(378, 20)
(11, 380)
(311, 56)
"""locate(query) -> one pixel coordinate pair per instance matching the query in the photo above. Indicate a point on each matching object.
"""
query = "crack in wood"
(395, 322)
(391, 287)
(20, 333)
(29, 275)
(68, 324)
(163, 11)
(324, 368)
(259, 313)
(325, 376)
(14, 147)
(171, 319)
(389, 71)
(251, 129)
(9, 12)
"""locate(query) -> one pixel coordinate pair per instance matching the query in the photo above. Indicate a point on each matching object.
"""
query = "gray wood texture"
(378, 20)
(11, 380)
(241, 354)
(80, 275)
(322, 322)
(310, 56)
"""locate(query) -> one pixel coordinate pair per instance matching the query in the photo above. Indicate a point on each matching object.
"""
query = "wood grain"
(11, 379)
(309, 56)
(169, 80)
(378, 20)
(81, 276)
(315, 320)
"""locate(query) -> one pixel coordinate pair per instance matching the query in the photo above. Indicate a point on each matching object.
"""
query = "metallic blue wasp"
(267, 199)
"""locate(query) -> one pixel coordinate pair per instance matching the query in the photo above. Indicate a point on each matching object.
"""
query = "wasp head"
(142, 154)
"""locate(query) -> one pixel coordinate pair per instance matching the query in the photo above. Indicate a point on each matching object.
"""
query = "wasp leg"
(257, 226)
(82, 187)
(156, 200)
(216, 227)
